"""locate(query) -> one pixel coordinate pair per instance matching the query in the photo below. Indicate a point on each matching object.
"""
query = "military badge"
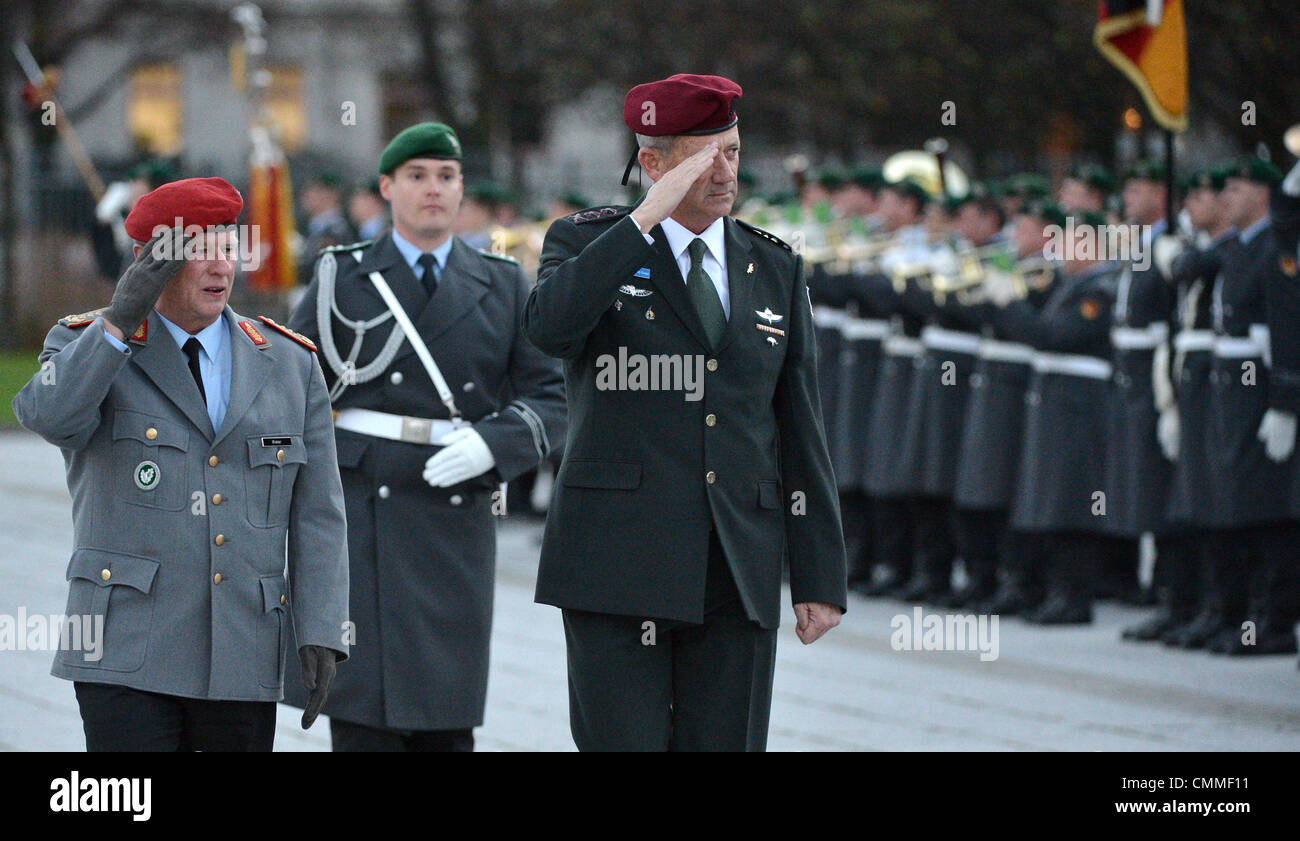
(634, 291)
(146, 475)
(1090, 309)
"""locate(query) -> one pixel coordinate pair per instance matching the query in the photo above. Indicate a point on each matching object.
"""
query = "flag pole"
(1169, 182)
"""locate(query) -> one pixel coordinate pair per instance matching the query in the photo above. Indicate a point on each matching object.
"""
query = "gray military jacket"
(180, 531)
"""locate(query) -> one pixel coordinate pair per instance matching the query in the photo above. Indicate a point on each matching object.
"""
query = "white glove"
(999, 287)
(1165, 249)
(1277, 431)
(464, 455)
(1168, 433)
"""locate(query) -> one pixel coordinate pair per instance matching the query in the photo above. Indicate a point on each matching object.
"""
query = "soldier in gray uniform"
(197, 442)
(428, 427)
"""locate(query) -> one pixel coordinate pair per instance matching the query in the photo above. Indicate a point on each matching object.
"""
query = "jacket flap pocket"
(769, 495)
(620, 475)
(275, 595)
(107, 569)
(351, 448)
(149, 430)
(276, 449)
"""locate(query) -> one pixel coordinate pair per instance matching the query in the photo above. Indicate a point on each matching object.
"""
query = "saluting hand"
(814, 619)
(666, 193)
(139, 287)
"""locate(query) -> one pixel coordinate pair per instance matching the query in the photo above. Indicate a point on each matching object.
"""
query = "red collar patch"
(253, 335)
(141, 334)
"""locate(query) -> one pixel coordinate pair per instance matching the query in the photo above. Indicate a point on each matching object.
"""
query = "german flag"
(1147, 41)
(270, 208)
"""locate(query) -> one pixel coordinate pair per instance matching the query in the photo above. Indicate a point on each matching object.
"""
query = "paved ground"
(1063, 689)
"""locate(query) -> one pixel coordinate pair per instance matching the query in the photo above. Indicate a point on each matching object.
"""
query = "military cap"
(1256, 169)
(1044, 210)
(1028, 185)
(1144, 169)
(685, 103)
(195, 201)
(1095, 176)
(909, 188)
(868, 177)
(422, 140)
(1209, 178)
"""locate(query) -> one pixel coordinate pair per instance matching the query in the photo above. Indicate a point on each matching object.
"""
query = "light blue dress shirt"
(411, 254)
(214, 362)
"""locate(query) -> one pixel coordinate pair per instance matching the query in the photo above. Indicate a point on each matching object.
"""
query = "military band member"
(1063, 453)
(424, 443)
(672, 517)
(197, 441)
(1255, 399)
(1086, 189)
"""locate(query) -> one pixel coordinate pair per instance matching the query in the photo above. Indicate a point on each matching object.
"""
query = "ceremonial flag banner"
(270, 207)
(1147, 41)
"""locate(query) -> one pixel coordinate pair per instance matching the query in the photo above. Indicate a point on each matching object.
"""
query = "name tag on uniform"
(277, 441)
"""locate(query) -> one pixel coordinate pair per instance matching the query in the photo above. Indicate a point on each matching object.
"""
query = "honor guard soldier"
(1255, 399)
(197, 441)
(1191, 609)
(1064, 451)
(439, 400)
(674, 510)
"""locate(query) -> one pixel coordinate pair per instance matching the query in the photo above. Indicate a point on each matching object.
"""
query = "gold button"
(212, 461)
(151, 433)
(712, 364)
(279, 455)
(216, 499)
(221, 538)
(216, 579)
(710, 477)
(105, 574)
(710, 419)
(283, 600)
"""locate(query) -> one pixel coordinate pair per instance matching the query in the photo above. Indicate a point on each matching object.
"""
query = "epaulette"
(595, 214)
(293, 334)
(354, 246)
(81, 319)
(764, 234)
(505, 258)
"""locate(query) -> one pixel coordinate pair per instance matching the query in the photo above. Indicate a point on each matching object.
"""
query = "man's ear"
(136, 249)
(649, 160)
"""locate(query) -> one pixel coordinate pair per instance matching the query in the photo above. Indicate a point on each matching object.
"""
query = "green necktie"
(705, 295)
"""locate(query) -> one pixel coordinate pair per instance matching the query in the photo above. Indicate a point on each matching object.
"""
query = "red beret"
(681, 104)
(195, 201)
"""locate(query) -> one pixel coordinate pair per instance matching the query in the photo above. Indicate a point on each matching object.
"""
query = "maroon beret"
(681, 104)
(195, 201)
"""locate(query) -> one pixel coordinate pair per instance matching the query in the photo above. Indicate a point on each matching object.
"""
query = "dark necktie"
(430, 277)
(705, 295)
(192, 351)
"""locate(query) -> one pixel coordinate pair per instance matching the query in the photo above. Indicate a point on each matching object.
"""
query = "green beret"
(1096, 177)
(423, 140)
(1028, 185)
(831, 179)
(1146, 170)
(1045, 211)
(1256, 169)
(868, 177)
(908, 187)
(1209, 178)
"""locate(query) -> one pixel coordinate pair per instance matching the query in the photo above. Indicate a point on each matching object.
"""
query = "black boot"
(1062, 609)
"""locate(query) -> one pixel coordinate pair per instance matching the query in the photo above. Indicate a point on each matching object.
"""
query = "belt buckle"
(416, 430)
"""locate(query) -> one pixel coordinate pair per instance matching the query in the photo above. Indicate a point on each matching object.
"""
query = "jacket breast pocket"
(273, 462)
(109, 599)
(150, 463)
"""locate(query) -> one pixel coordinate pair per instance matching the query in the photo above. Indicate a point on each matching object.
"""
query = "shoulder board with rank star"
(254, 335)
(597, 214)
(773, 238)
(81, 319)
(296, 336)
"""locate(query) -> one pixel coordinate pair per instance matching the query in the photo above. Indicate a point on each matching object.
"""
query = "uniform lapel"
(163, 362)
(249, 367)
(667, 279)
(464, 282)
(740, 283)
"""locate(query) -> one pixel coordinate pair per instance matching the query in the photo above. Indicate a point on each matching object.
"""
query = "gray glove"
(139, 287)
(318, 667)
